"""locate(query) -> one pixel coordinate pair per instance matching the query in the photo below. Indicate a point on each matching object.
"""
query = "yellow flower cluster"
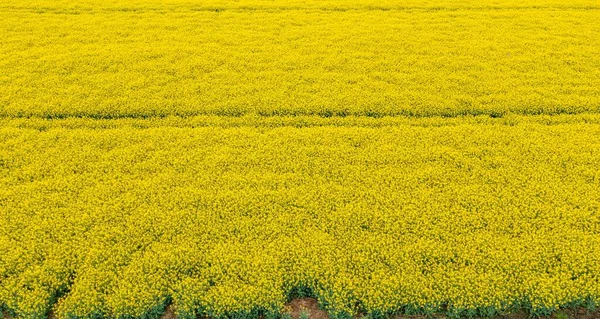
(474, 216)
(144, 58)
(384, 156)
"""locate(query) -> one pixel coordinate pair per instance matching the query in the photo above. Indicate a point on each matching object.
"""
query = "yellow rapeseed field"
(140, 58)
(225, 156)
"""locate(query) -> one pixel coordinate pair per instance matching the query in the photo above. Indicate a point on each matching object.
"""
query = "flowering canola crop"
(477, 215)
(222, 157)
(142, 58)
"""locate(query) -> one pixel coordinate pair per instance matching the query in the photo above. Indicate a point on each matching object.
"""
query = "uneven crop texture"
(222, 157)
(481, 216)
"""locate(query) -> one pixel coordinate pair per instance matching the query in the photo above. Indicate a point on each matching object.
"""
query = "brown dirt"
(310, 305)
(561, 314)
(515, 315)
(576, 314)
(169, 313)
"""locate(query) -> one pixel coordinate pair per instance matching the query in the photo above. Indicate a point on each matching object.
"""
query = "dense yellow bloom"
(386, 156)
(191, 57)
(116, 217)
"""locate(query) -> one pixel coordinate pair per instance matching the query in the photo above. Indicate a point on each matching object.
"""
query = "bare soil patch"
(579, 313)
(308, 305)
(311, 307)
(169, 313)
(560, 314)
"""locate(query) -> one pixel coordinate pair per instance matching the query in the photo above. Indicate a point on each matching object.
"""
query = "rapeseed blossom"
(119, 217)
(222, 157)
